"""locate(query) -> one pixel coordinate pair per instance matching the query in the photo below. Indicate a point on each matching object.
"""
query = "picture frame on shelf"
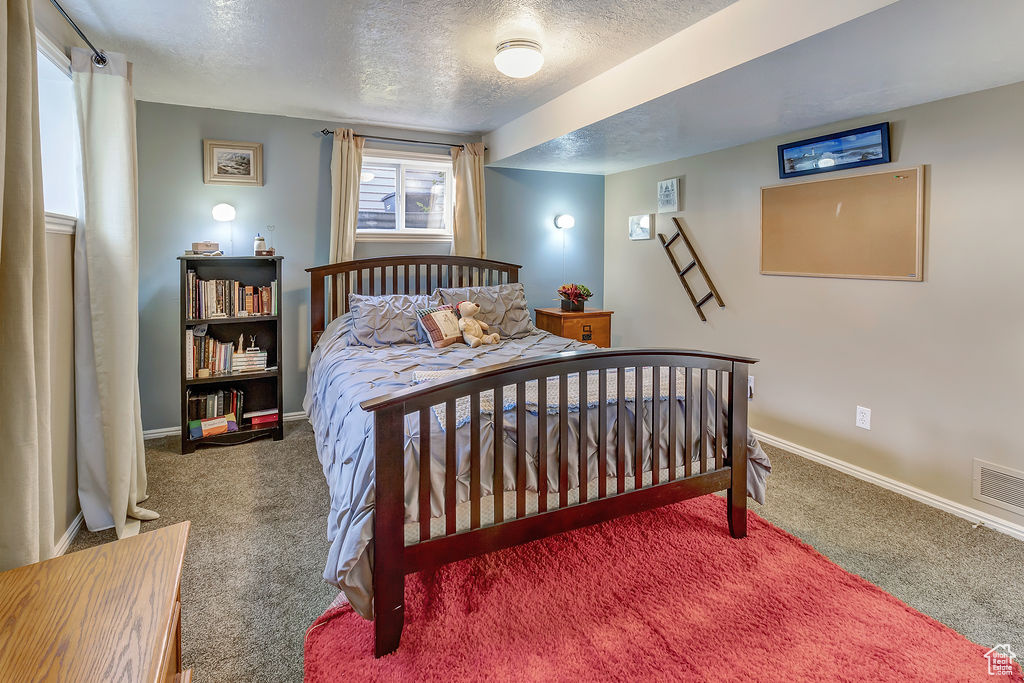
(226, 162)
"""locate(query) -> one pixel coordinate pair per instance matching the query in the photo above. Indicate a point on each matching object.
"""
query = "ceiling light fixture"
(519, 58)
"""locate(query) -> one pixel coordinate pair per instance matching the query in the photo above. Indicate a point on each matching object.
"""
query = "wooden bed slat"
(638, 428)
(424, 460)
(655, 424)
(672, 403)
(620, 429)
(474, 460)
(702, 421)
(542, 445)
(499, 456)
(450, 490)
(719, 419)
(581, 467)
(602, 433)
(688, 424)
(520, 449)
(563, 440)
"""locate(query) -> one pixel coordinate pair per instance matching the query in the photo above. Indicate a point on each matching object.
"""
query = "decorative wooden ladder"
(694, 261)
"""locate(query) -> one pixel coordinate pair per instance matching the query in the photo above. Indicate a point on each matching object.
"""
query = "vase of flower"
(574, 296)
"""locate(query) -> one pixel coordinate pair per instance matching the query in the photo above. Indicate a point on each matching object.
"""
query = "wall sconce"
(225, 213)
(564, 221)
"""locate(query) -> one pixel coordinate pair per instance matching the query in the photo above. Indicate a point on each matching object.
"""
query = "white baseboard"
(65, 541)
(970, 514)
(174, 431)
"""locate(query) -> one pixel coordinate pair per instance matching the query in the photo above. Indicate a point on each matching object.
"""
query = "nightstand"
(591, 326)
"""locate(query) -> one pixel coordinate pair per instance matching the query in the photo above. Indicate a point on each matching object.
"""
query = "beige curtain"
(346, 167)
(26, 485)
(470, 229)
(111, 453)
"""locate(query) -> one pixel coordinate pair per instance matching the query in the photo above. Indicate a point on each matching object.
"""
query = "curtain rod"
(99, 59)
(327, 131)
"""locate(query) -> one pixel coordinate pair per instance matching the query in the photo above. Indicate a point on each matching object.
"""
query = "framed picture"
(668, 195)
(232, 163)
(847, 149)
(640, 227)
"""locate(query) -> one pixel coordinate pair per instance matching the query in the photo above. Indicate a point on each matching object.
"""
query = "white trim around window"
(59, 224)
(439, 160)
(53, 52)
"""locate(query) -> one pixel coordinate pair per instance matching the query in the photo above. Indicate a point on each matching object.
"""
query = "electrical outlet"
(863, 417)
(750, 387)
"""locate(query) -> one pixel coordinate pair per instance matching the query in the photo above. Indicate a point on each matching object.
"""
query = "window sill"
(59, 224)
(368, 236)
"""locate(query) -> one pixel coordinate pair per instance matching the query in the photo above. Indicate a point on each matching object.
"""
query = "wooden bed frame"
(392, 559)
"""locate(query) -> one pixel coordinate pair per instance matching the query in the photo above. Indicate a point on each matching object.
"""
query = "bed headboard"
(329, 284)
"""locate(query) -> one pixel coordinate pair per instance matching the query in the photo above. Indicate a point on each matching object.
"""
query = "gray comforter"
(342, 374)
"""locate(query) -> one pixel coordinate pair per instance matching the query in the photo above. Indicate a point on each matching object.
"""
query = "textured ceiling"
(410, 63)
(908, 53)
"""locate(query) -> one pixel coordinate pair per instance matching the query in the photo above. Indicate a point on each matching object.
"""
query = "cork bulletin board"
(864, 226)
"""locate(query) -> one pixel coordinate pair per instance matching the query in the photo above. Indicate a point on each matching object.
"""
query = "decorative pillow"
(441, 325)
(503, 307)
(387, 320)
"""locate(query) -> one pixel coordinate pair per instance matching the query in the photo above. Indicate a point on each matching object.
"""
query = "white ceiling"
(420, 64)
(910, 52)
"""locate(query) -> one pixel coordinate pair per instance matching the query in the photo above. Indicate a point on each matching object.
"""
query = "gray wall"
(174, 211)
(938, 362)
(521, 206)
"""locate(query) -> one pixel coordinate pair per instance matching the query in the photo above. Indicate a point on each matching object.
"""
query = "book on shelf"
(262, 417)
(215, 404)
(227, 298)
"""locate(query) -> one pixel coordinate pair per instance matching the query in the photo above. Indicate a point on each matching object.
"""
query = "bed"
(409, 436)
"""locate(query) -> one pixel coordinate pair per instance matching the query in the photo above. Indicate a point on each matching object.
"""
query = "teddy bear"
(474, 331)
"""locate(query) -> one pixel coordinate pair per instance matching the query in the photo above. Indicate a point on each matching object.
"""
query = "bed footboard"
(703, 451)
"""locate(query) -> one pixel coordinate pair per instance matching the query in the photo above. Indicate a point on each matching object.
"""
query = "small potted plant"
(574, 296)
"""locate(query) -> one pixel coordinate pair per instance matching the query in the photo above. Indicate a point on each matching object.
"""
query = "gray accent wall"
(174, 211)
(521, 207)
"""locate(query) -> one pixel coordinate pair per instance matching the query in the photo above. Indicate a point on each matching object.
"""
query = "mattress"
(343, 373)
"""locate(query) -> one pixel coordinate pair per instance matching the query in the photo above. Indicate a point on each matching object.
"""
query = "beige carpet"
(258, 545)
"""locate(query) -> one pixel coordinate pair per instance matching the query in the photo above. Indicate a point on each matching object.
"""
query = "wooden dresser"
(109, 613)
(591, 326)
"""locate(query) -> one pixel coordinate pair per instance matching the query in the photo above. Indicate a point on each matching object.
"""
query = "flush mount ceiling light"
(519, 58)
(564, 221)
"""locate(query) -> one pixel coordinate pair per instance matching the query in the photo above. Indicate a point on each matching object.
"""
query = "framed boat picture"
(847, 149)
(232, 163)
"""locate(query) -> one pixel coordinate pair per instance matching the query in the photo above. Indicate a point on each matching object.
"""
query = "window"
(407, 196)
(58, 132)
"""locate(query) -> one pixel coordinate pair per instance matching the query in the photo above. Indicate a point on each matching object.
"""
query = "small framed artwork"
(232, 163)
(640, 227)
(847, 149)
(668, 195)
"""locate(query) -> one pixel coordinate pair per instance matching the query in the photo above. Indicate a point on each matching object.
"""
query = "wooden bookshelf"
(263, 389)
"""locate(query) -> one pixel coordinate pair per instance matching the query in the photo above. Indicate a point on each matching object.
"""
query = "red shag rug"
(659, 595)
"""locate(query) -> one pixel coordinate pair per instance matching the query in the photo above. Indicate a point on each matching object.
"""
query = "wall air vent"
(999, 485)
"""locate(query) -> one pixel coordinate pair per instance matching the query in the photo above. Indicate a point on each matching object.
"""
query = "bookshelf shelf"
(262, 390)
(239, 319)
(231, 377)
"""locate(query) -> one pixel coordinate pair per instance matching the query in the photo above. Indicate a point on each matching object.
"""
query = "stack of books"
(262, 418)
(249, 361)
(206, 353)
(215, 404)
(227, 298)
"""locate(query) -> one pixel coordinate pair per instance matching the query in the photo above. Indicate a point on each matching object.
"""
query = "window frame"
(434, 161)
(57, 223)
